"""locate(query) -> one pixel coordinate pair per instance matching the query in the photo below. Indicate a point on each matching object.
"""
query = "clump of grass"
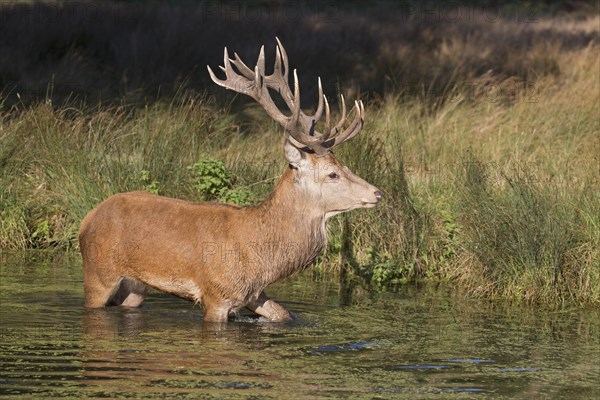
(525, 238)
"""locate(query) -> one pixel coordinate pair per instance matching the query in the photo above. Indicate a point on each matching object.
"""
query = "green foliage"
(214, 181)
(385, 272)
(239, 195)
(450, 241)
(210, 177)
(149, 185)
(42, 230)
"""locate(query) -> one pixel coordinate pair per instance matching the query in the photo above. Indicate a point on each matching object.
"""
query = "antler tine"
(300, 135)
(212, 74)
(279, 80)
(296, 106)
(353, 129)
(258, 83)
(277, 66)
(261, 61)
(259, 73)
(226, 63)
(284, 59)
(327, 132)
(233, 81)
(319, 112)
(242, 67)
(251, 83)
(340, 124)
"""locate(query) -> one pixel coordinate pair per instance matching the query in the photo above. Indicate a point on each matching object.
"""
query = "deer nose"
(378, 195)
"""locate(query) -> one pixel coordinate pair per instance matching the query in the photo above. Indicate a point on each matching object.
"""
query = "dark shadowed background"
(143, 50)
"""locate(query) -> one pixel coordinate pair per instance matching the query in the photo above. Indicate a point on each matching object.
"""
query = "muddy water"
(346, 343)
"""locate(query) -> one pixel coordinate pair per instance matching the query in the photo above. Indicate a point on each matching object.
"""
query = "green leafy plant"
(239, 195)
(150, 185)
(210, 176)
(382, 270)
(42, 230)
(450, 242)
(214, 181)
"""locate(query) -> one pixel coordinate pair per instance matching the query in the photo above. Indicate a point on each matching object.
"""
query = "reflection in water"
(346, 342)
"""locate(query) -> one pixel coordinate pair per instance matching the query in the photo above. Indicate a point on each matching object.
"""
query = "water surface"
(346, 343)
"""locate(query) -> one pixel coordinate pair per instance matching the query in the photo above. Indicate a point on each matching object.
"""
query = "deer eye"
(333, 175)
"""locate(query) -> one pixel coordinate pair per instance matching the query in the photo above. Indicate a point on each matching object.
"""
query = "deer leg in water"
(215, 312)
(267, 308)
(98, 292)
(131, 293)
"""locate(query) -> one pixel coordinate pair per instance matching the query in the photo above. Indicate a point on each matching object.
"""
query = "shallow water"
(346, 343)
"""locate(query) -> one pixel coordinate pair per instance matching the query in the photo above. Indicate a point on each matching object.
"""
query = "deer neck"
(289, 201)
(292, 226)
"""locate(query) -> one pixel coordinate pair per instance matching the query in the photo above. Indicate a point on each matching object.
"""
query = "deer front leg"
(215, 312)
(267, 308)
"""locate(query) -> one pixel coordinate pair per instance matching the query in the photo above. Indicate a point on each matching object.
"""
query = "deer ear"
(293, 154)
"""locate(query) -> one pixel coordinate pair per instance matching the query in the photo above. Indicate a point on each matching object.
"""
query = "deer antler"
(300, 127)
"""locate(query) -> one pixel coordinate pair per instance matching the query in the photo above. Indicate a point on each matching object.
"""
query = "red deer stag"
(224, 256)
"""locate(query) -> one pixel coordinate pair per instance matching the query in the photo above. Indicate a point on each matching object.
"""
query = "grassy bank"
(491, 179)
